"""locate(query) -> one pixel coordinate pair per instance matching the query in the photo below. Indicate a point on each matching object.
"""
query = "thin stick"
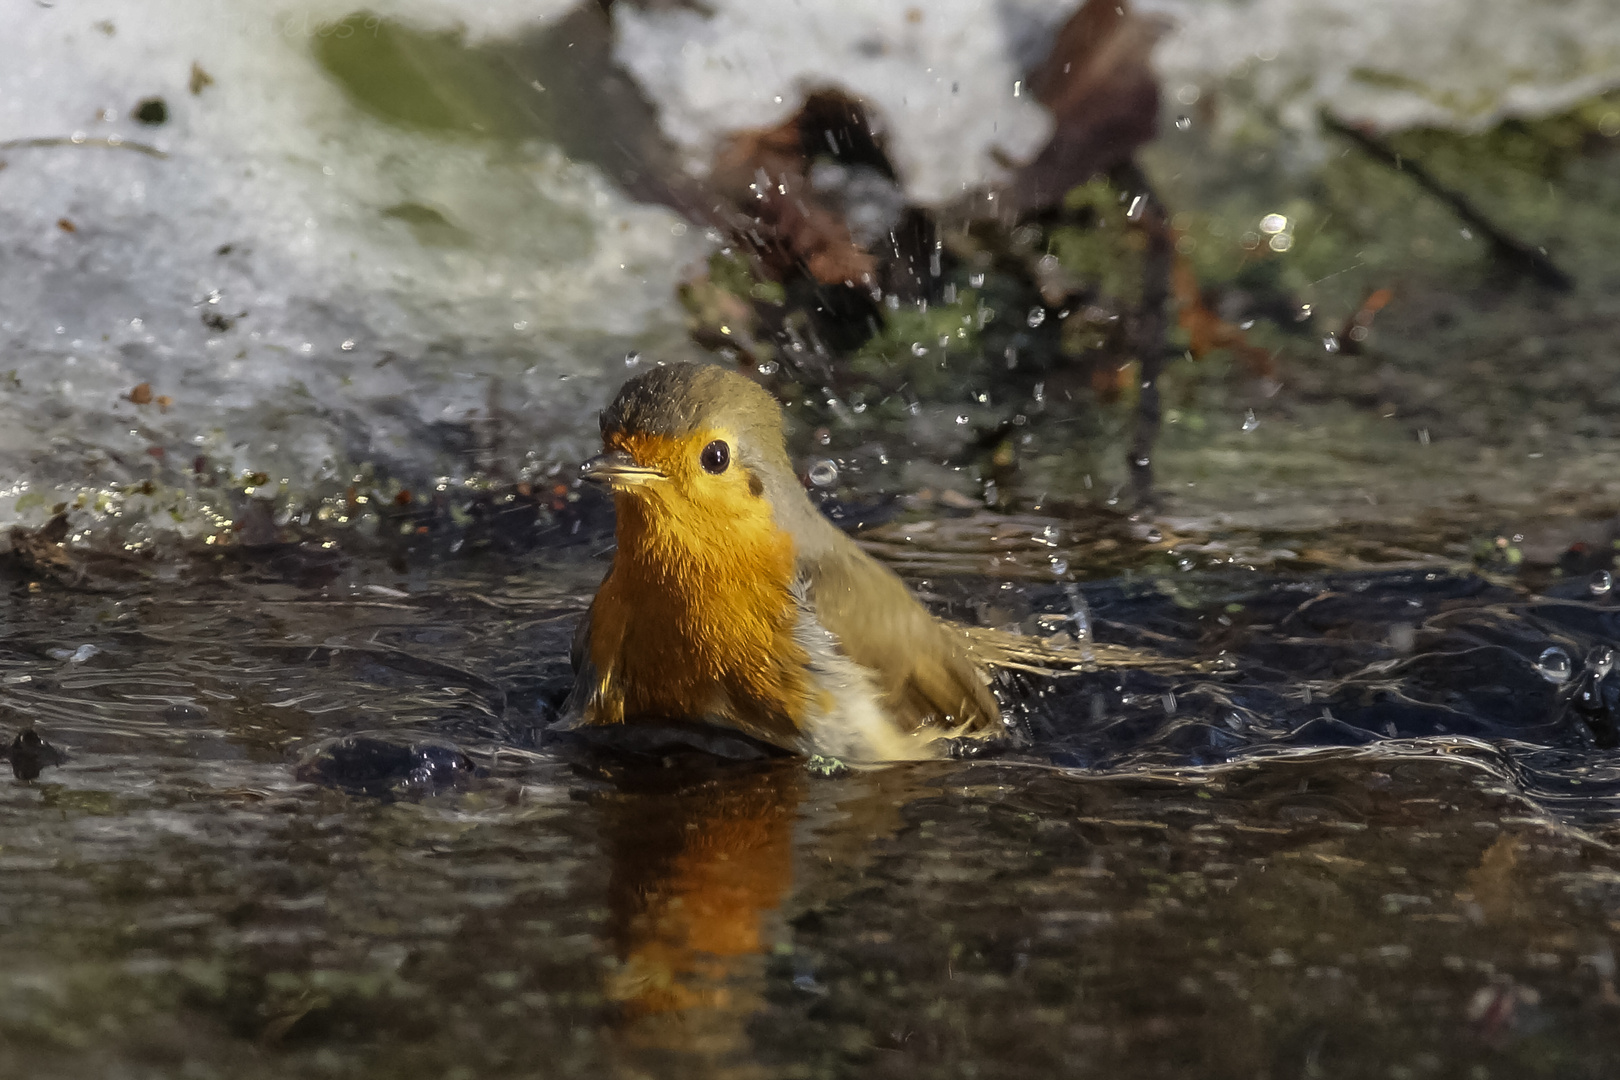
(1520, 256)
(1149, 332)
(111, 142)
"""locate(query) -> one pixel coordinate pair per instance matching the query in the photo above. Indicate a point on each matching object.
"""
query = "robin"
(733, 602)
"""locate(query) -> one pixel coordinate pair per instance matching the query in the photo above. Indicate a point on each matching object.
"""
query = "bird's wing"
(921, 664)
(579, 650)
(572, 714)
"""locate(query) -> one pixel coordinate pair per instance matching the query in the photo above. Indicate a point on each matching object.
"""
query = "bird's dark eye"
(715, 457)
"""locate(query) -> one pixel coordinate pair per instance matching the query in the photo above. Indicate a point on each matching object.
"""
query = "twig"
(110, 142)
(1149, 332)
(1520, 256)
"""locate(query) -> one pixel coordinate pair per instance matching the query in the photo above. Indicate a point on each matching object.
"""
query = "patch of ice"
(1461, 64)
(938, 76)
(511, 285)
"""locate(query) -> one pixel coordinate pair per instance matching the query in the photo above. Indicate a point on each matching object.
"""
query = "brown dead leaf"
(142, 394)
(1103, 95)
(200, 79)
(1355, 331)
(43, 548)
(783, 222)
(1206, 330)
(66, 226)
(1110, 380)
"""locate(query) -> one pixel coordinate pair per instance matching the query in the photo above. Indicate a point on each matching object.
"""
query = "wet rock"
(31, 755)
(386, 766)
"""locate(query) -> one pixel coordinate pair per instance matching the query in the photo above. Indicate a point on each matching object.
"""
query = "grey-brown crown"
(677, 399)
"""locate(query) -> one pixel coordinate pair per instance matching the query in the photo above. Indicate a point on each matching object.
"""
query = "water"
(325, 824)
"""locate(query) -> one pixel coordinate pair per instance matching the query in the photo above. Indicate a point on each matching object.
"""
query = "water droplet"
(1554, 665)
(1601, 583)
(824, 473)
(1060, 566)
(975, 281)
(632, 359)
(823, 437)
(1249, 421)
(961, 418)
(1154, 536)
(1331, 343)
(1183, 123)
(1037, 315)
(769, 367)
(1600, 661)
(1272, 224)
(1141, 462)
(1281, 242)
(918, 349)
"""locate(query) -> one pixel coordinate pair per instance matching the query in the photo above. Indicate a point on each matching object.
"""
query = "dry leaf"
(1103, 95)
(784, 223)
(1207, 331)
(1360, 325)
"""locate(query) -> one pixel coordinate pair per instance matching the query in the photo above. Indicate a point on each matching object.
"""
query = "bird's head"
(695, 453)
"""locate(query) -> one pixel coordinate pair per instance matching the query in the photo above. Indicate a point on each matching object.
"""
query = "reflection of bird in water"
(699, 867)
(701, 864)
(733, 602)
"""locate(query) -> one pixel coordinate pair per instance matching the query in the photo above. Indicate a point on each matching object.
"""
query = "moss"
(1104, 252)
(928, 348)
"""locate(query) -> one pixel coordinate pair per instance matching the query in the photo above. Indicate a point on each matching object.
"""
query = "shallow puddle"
(1346, 824)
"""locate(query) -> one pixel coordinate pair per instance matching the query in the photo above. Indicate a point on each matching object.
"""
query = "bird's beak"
(618, 469)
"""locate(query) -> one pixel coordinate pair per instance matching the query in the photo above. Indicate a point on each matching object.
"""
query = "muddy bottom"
(1354, 824)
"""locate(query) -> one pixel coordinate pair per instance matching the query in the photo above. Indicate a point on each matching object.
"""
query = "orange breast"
(695, 621)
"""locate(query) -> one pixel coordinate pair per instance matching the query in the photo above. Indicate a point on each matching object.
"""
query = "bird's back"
(922, 666)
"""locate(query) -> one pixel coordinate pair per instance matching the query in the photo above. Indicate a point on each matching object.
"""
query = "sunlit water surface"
(1337, 826)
